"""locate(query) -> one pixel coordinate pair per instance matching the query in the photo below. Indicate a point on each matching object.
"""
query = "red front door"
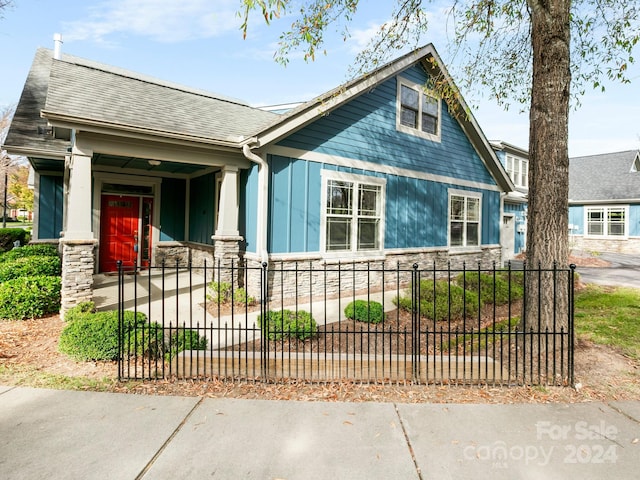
(119, 240)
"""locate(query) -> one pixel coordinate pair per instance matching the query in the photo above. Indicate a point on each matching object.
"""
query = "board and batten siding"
(365, 129)
(202, 208)
(577, 218)
(518, 211)
(172, 199)
(416, 211)
(50, 206)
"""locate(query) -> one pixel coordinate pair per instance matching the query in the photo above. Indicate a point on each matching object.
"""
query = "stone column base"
(227, 254)
(78, 265)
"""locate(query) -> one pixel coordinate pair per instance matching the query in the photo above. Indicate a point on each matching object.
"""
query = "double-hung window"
(353, 219)
(606, 221)
(418, 110)
(518, 170)
(464, 219)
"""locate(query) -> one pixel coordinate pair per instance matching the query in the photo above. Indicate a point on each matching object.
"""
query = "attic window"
(636, 164)
(418, 111)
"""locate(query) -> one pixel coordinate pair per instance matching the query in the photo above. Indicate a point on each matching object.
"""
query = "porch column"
(78, 225)
(227, 238)
(77, 241)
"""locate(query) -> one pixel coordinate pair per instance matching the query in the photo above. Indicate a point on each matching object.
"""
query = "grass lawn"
(610, 316)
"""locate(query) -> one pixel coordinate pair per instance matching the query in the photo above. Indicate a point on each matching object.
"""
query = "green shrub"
(94, 335)
(30, 267)
(185, 339)
(10, 235)
(80, 310)
(35, 250)
(29, 297)
(223, 293)
(91, 335)
(363, 311)
(286, 323)
(516, 277)
(143, 340)
(220, 292)
(469, 280)
(442, 300)
(241, 297)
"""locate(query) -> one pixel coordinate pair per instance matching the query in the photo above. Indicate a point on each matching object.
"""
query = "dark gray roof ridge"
(123, 72)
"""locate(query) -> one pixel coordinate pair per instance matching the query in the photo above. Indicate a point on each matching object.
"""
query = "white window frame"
(606, 210)
(466, 195)
(421, 91)
(518, 170)
(357, 181)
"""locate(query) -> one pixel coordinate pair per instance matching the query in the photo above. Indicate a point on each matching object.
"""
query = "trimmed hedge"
(439, 301)
(30, 267)
(91, 335)
(9, 235)
(35, 250)
(363, 311)
(29, 297)
(286, 323)
(490, 289)
(94, 335)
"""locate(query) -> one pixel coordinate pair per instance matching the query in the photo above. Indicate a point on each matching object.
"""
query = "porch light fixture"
(154, 163)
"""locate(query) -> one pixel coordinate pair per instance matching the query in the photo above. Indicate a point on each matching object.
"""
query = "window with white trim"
(464, 219)
(353, 219)
(518, 170)
(606, 221)
(418, 110)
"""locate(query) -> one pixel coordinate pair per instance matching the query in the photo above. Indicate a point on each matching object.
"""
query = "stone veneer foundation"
(78, 260)
(316, 277)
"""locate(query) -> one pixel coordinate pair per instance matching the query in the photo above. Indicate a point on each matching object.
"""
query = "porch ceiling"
(47, 164)
(133, 163)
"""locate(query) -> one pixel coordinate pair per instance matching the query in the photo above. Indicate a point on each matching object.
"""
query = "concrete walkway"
(180, 298)
(86, 435)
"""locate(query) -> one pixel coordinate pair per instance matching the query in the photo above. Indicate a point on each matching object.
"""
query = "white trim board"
(375, 167)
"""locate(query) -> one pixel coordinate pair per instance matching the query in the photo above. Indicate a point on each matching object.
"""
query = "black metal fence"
(348, 322)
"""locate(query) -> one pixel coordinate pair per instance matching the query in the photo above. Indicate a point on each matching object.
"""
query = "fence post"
(120, 320)
(415, 330)
(264, 327)
(571, 325)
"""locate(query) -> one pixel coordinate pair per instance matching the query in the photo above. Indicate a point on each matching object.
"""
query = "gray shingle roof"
(116, 97)
(23, 132)
(606, 177)
(86, 90)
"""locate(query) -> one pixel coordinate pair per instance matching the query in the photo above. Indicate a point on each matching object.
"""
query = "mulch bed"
(393, 335)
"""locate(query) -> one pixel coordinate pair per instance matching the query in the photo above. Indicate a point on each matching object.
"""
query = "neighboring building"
(514, 218)
(604, 202)
(135, 169)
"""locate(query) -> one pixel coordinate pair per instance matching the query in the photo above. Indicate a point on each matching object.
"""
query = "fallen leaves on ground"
(29, 356)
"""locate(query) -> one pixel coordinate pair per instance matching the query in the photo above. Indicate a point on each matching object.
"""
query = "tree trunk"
(547, 233)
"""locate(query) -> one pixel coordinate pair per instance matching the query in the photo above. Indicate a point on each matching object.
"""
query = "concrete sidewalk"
(64, 434)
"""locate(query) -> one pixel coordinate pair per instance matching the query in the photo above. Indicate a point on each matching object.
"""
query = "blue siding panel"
(248, 216)
(202, 209)
(416, 211)
(50, 207)
(518, 209)
(172, 201)
(364, 129)
(576, 217)
(634, 220)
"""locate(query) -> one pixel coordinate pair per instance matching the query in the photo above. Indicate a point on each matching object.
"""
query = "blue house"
(604, 202)
(515, 160)
(136, 169)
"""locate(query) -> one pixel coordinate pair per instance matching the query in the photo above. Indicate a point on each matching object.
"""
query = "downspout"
(263, 205)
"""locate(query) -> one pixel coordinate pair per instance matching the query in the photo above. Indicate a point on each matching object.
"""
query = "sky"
(198, 43)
